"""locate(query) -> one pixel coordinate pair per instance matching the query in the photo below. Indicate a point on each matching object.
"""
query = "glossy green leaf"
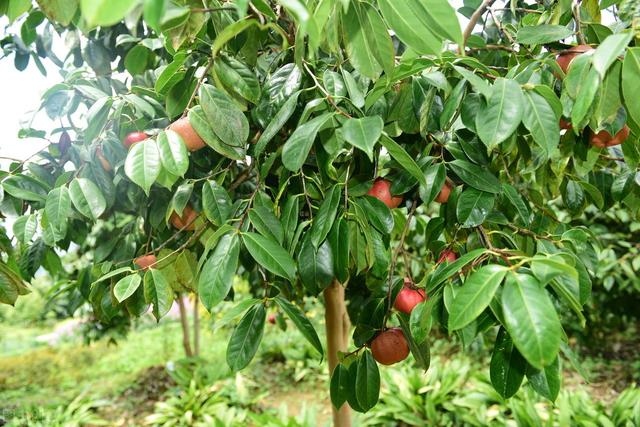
(173, 152)
(410, 20)
(507, 367)
(630, 78)
(323, 220)
(266, 223)
(238, 77)
(476, 176)
(475, 295)
(546, 382)
(301, 321)
(363, 133)
(315, 266)
(142, 165)
(503, 113)
(378, 214)
(204, 129)
(269, 254)
(542, 34)
(401, 156)
(339, 241)
(87, 198)
(216, 277)
(531, 319)
(105, 12)
(541, 121)
(516, 200)
(225, 118)
(297, 147)
(339, 385)
(435, 176)
(216, 202)
(367, 381)
(246, 337)
(158, 292)
(282, 116)
(473, 207)
(609, 50)
(25, 187)
(58, 208)
(126, 286)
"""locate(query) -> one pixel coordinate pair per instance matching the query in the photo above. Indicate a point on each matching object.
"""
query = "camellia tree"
(371, 154)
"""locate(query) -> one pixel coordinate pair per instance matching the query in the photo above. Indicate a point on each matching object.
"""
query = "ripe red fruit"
(443, 195)
(186, 221)
(271, 319)
(447, 256)
(408, 298)
(565, 124)
(103, 160)
(145, 261)
(565, 57)
(390, 347)
(133, 138)
(604, 139)
(191, 139)
(381, 190)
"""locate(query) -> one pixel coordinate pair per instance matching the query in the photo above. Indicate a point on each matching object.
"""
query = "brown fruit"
(565, 124)
(443, 195)
(145, 261)
(133, 138)
(408, 298)
(64, 143)
(186, 221)
(191, 139)
(390, 347)
(381, 190)
(447, 256)
(103, 160)
(565, 57)
(604, 139)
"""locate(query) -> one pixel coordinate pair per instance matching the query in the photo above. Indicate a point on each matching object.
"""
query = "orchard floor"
(130, 376)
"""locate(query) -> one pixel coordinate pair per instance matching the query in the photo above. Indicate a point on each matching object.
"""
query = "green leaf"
(503, 113)
(473, 207)
(282, 116)
(173, 152)
(363, 133)
(266, 223)
(24, 228)
(476, 176)
(419, 350)
(378, 214)
(158, 292)
(367, 40)
(435, 176)
(61, 11)
(446, 270)
(339, 241)
(367, 381)
(126, 286)
(58, 208)
(542, 34)
(546, 382)
(142, 165)
(302, 323)
(238, 77)
(339, 385)
(225, 118)
(87, 198)
(401, 156)
(630, 78)
(507, 367)
(475, 295)
(246, 337)
(216, 202)
(297, 147)
(420, 320)
(25, 187)
(516, 200)
(105, 12)
(231, 314)
(531, 319)
(410, 21)
(541, 121)
(323, 220)
(315, 266)
(268, 253)
(216, 277)
(584, 99)
(609, 50)
(203, 128)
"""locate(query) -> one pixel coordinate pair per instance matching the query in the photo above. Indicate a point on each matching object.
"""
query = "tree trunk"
(184, 321)
(338, 325)
(196, 325)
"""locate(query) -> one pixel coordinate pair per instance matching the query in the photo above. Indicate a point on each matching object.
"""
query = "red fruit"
(271, 319)
(447, 256)
(408, 298)
(103, 160)
(604, 139)
(191, 139)
(381, 190)
(443, 195)
(565, 124)
(390, 347)
(134, 138)
(186, 221)
(145, 261)
(565, 57)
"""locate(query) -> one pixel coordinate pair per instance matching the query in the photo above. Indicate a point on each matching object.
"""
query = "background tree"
(309, 149)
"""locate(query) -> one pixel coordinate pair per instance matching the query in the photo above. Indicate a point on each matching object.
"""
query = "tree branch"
(472, 23)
